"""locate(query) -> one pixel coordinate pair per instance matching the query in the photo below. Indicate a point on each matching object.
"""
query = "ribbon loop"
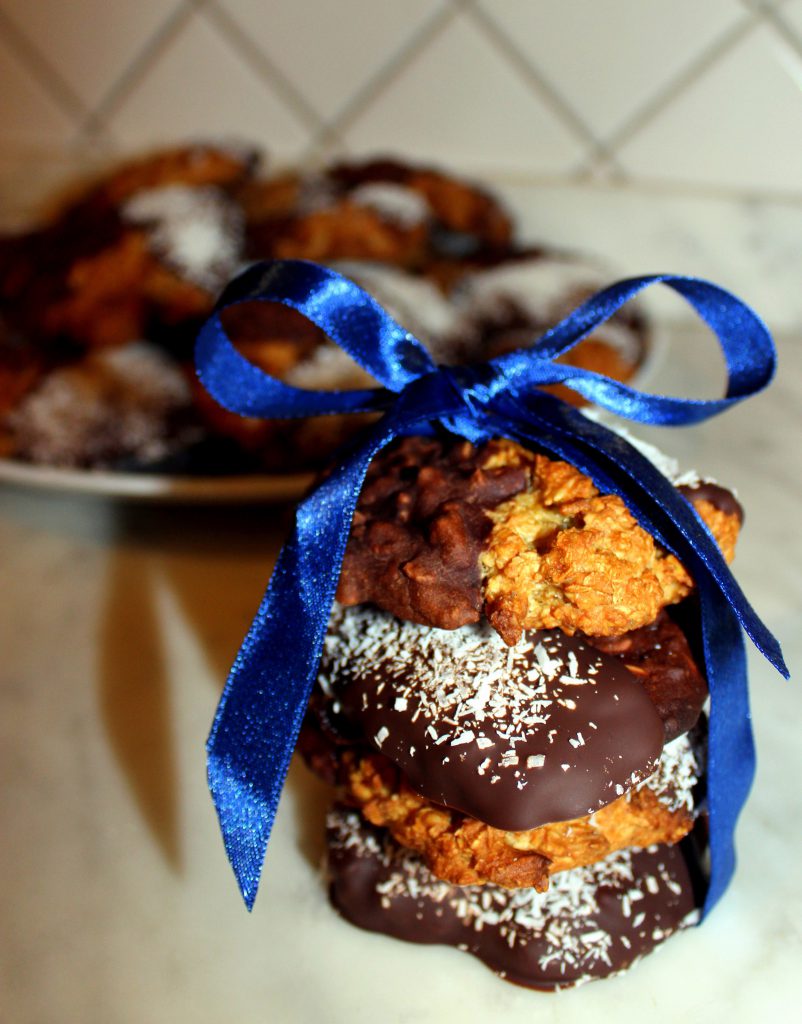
(345, 312)
(265, 697)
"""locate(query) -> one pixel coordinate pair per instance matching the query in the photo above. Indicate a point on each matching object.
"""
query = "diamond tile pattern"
(684, 95)
(330, 50)
(608, 59)
(90, 43)
(200, 87)
(738, 125)
(488, 119)
(29, 114)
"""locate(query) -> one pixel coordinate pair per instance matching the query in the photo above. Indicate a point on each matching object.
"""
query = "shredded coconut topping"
(328, 367)
(119, 402)
(567, 917)
(464, 682)
(396, 203)
(677, 773)
(666, 464)
(198, 231)
(543, 288)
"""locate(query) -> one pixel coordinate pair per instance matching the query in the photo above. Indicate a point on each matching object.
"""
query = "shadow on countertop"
(214, 563)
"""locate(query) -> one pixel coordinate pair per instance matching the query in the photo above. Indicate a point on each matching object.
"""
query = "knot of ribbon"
(263, 704)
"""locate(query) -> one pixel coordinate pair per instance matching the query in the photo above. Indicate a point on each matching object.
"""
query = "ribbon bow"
(263, 704)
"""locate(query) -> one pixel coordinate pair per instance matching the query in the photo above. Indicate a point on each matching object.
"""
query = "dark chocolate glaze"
(660, 656)
(351, 175)
(417, 533)
(548, 730)
(718, 496)
(597, 923)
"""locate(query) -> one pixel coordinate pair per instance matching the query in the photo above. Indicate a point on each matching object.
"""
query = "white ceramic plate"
(156, 487)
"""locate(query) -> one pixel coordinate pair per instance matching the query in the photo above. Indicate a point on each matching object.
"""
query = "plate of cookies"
(101, 299)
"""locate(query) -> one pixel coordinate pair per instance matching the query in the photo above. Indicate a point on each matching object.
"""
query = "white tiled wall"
(670, 102)
(681, 92)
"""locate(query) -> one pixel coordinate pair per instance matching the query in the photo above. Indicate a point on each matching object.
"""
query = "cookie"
(548, 730)
(381, 210)
(592, 923)
(446, 532)
(507, 763)
(467, 851)
(510, 304)
(123, 404)
(286, 345)
(140, 254)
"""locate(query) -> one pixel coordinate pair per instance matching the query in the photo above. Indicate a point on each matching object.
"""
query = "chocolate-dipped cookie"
(593, 922)
(139, 254)
(380, 210)
(466, 851)
(513, 302)
(548, 730)
(658, 655)
(507, 764)
(128, 405)
(445, 532)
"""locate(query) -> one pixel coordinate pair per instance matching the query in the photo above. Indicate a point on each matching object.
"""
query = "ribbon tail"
(731, 748)
(263, 704)
(731, 752)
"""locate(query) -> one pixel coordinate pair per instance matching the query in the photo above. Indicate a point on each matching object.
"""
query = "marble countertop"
(118, 625)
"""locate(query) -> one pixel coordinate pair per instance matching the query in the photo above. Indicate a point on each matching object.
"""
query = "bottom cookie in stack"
(530, 794)
(593, 921)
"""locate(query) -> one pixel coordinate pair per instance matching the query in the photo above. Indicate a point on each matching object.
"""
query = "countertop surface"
(117, 628)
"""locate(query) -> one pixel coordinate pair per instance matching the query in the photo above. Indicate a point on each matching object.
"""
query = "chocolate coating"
(720, 497)
(422, 526)
(418, 530)
(517, 737)
(592, 923)
(660, 656)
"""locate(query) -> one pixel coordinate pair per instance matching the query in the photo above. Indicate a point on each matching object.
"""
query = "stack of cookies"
(511, 715)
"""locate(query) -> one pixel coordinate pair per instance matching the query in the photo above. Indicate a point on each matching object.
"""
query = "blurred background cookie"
(139, 255)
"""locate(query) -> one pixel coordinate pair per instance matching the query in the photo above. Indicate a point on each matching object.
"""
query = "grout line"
(27, 157)
(141, 63)
(321, 150)
(662, 188)
(762, 6)
(96, 136)
(378, 83)
(39, 67)
(683, 81)
(597, 150)
(778, 24)
(260, 63)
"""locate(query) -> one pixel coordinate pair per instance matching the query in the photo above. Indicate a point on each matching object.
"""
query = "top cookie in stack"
(446, 532)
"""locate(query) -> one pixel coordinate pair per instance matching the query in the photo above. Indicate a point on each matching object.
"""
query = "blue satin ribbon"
(263, 704)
